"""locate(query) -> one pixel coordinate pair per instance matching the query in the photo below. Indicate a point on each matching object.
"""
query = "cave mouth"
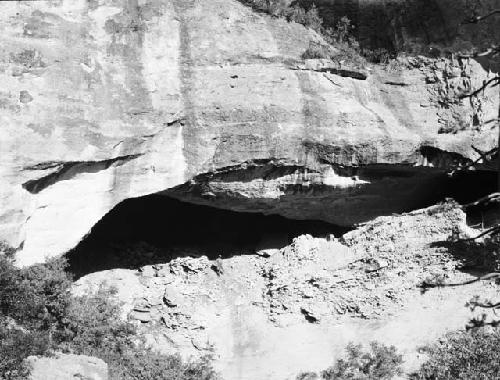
(466, 187)
(155, 229)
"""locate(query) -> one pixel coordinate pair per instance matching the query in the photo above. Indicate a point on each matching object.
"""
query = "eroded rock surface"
(103, 101)
(278, 312)
(66, 367)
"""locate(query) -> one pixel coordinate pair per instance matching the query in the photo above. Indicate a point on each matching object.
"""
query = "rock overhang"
(185, 89)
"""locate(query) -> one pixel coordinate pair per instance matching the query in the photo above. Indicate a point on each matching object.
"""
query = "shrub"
(6, 249)
(310, 18)
(293, 13)
(15, 346)
(463, 355)
(342, 46)
(32, 303)
(341, 36)
(379, 363)
(95, 328)
(346, 46)
(278, 8)
(38, 315)
(273, 7)
(380, 55)
(35, 297)
(342, 33)
(308, 376)
(317, 51)
(140, 364)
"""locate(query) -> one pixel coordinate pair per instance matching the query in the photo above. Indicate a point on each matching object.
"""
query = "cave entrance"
(156, 229)
(466, 187)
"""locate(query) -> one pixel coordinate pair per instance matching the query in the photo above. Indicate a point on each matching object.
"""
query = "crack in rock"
(67, 170)
(339, 72)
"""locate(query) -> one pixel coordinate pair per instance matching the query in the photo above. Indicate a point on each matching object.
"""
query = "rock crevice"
(63, 171)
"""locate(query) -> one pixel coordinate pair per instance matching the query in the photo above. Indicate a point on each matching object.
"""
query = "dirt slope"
(277, 312)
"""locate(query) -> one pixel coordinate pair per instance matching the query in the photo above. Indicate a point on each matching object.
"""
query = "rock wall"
(103, 101)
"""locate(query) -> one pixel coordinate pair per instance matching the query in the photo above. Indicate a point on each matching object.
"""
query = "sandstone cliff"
(210, 102)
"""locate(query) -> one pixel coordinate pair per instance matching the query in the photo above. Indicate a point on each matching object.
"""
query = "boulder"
(67, 367)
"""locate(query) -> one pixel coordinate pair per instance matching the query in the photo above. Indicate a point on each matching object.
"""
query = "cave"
(467, 187)
(157, 228)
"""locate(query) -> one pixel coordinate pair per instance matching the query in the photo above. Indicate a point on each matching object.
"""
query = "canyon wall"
(210, 102)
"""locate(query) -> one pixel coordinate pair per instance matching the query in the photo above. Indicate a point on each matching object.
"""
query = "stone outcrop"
(211, 102)
(66, 367)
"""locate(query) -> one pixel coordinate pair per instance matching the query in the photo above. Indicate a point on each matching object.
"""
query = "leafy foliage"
(32, 305)
(293, 13)
(380, 362)
(473, 354)
(142, 364)
(318, 51)
(38, 315)
(341, 44)
(94, 328)
(35, 297)
(15, 346)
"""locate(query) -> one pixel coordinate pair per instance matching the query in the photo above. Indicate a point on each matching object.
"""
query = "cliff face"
(210, 102)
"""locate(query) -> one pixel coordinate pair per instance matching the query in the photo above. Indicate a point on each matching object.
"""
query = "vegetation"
(463, 355)
(294, 13)
(474, 353)
(38, 315)
(341, 45)
(32, 303)
(490, 235)
(15, 346)
(380, 362)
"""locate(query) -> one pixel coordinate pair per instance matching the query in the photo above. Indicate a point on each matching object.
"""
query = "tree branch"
(492, 230)
(491, 198)
(428, 285)
(476, 19)
(475, 162)
(486, 305)
(484, 155)
(482, 88)
(491, 51)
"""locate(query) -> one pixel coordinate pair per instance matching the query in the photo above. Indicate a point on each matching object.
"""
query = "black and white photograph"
(249, 189)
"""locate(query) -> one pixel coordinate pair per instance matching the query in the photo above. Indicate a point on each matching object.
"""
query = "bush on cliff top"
(341, 43)
(284, 9)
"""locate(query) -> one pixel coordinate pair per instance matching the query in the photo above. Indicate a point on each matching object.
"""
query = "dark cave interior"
(469, 186)
(156, 228)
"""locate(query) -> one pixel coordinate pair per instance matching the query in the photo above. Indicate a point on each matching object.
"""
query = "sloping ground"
(278, 312)
(105, 101)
